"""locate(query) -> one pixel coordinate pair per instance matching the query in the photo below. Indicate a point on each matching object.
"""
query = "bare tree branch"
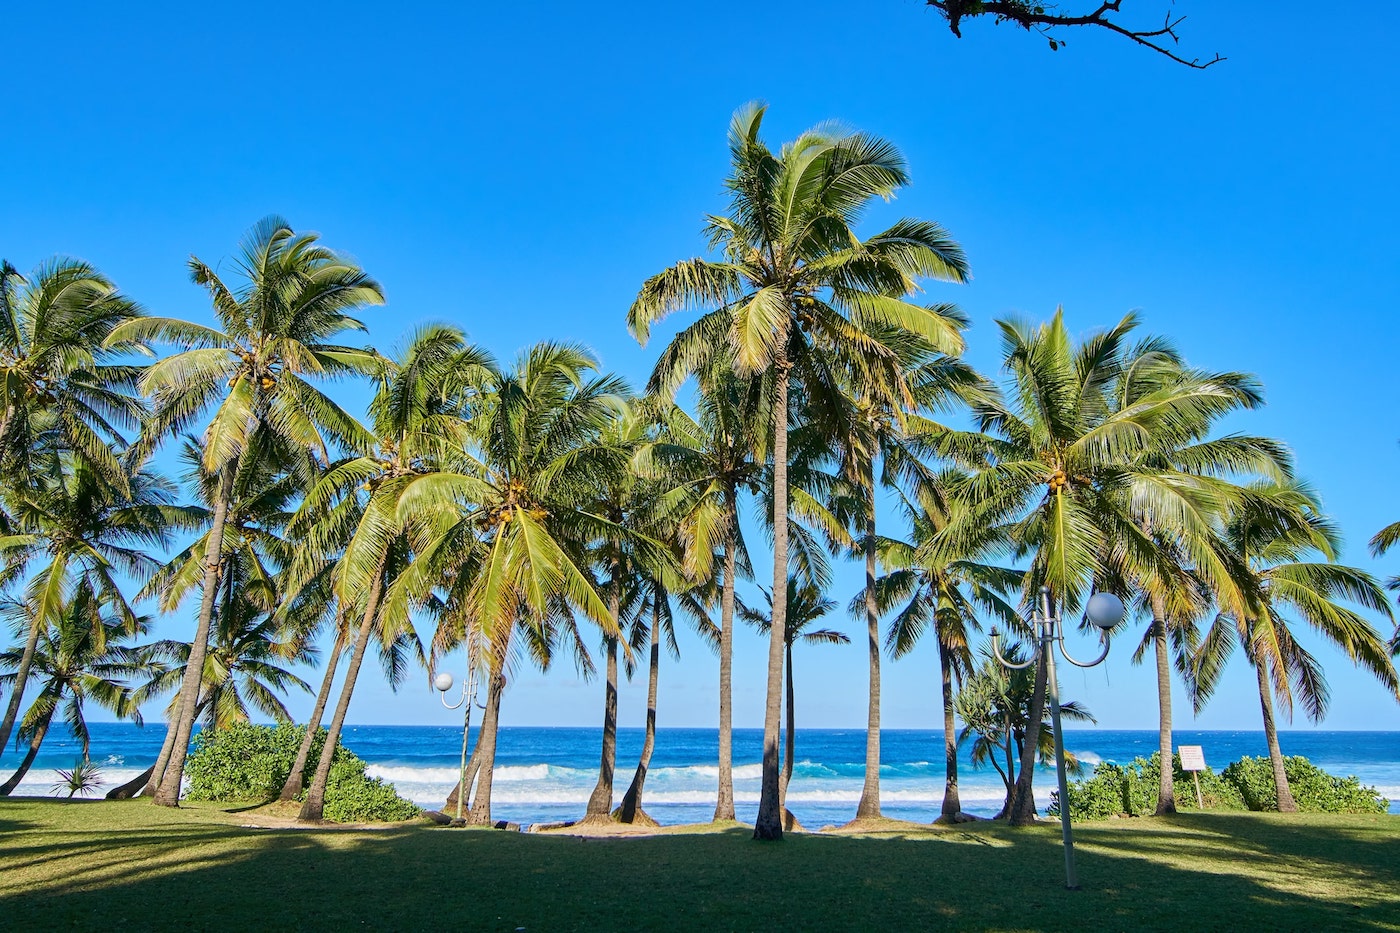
(1041, 17)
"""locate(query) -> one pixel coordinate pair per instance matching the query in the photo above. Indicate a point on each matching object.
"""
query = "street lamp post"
(443, 683)
(1104, 610)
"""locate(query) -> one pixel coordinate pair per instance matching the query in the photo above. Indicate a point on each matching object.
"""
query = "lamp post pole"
(1104, 610)
(443, 683)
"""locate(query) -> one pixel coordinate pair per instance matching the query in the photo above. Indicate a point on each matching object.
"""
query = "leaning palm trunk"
(1286, 803)
(26, 661)
(8, 787)
(790, 738)
(952, 804)
(486, 741)
(464, 784)
(1022, 811)
(631, 808)
(600, 801)
(769, 824)
(724, 802)
(168, 791)
(163, 759)
(1166, 794)
(869, 806)
(296, 778)
(314, 806)
(132, 787)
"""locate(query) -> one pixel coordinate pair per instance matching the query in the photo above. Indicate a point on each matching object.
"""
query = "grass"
(89, 865)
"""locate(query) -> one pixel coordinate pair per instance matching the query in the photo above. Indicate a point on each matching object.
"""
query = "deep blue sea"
(547, 773)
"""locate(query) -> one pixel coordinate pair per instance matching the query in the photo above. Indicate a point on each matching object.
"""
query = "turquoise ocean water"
(547, 773)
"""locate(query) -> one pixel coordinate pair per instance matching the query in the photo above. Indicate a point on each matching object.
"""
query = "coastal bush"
(1131, 790)
(246, 762)
(1314, 790)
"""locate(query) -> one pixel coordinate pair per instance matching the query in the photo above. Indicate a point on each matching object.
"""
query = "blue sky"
(519, 169)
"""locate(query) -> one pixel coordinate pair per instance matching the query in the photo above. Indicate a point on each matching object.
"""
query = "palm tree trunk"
(163, 759)
(296, 778)
(168, 791)
(1010, 778)
(26, 661)
(952, 804)
(1023, 798)
(632, 800)
(481, 802)
(600, 801)
(869, 806)
(8, 787)
(467, 780)
(1286, 804)
(769, 824)
(724, 802)
(314, 805)
(1166, 794)
(789, 739)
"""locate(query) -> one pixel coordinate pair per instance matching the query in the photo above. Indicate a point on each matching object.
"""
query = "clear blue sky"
(519, 169)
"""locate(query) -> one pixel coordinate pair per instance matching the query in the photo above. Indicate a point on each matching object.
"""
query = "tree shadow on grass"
(1197, 873)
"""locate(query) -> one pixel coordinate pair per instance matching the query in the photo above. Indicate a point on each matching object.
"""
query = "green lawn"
(130, 865)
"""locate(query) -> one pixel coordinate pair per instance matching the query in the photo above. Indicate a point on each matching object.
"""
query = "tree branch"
(1031, 14)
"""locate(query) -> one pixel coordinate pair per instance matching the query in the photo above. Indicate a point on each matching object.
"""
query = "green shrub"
(1314, 790)
(1131, 790)
(246, 762)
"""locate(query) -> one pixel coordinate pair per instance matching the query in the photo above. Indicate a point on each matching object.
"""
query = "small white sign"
(1193, 757)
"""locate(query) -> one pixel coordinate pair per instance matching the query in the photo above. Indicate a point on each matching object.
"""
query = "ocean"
(546, 774)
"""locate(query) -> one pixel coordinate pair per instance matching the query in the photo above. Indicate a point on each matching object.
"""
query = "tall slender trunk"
(1166, 793)
(314, 805)
(790, 730)
(1286, 804)
(869, 806)
(468, 778)
(952, 804)
(296, 778)
(600, 801)
(1023, 798)
(481, 802)
(8, 787)
(632, 800)
(168, 791)
(769, 824)
(163, 759)
(724, 801)
(1010, 777)
(26, 660)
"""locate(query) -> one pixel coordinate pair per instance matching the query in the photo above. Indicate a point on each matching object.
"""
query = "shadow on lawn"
(1183, 874)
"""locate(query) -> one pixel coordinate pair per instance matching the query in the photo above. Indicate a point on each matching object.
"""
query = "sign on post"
(1193, 759)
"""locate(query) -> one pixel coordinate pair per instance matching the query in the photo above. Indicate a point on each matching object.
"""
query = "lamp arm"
(996, 651)
(1070, 658)
(460, 701)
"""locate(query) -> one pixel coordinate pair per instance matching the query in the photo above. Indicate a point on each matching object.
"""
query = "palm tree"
(708, 462)
(81, 528)
(417, 425)
(1078, 484)
(806, 606)
(1383, 541)
(995, 706)
(79, 658)
(797, 293)
(943, 600)
(62, 390)
(505, 535)
(1277, 533)
(274, 334)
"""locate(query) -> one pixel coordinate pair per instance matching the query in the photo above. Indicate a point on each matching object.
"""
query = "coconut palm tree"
(1278, 533)
(1383, 541)
(62, 387)
(994, 705)
(709, 461)
(80, 658)
(503, 540)
(1078, 482)
(796, 292)
(806, 606)
(942, 600)
(416, 423)
(80, 528)
(274, 336)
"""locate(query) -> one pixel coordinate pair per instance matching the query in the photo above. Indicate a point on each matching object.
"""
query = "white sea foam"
(40, 782)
